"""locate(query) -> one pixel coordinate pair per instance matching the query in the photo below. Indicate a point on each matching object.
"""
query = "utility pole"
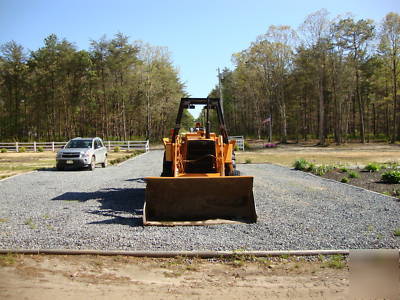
(221, 97)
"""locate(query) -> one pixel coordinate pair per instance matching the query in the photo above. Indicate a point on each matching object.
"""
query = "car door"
(97, 151)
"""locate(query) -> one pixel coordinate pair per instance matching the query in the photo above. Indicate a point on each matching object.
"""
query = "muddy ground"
(95, 277)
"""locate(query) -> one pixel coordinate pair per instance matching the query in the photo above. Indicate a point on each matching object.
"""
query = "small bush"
(301, 164)
(353, 174)
(392, 176)
(311, 167)
(344, 169)
(236, 148)
(248, 161)
(40, 149)
(397, 232)
(117, 149)
(246, 146)
(336, 262)
(3, 150)
(373, 167)
(321, 170)
(21, 149)
(344, 180)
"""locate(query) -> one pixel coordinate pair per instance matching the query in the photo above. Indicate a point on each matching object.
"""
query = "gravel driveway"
(103, 210)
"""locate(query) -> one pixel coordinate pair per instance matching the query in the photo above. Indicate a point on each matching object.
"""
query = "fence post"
(52, 146)
(109, 146)
(16, 146)
(34, 146)
(129, 148)
(147, 146)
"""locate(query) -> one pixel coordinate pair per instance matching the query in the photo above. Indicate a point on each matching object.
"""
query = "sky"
(201, 35)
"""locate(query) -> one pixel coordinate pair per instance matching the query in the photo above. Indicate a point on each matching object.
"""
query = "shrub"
(344, 169)
(40, 149)
(246, 146)
(373, 167)
(321, 170)
(21, 149)
(117, 149)
(236, 148)
(397, 232)
(3, 150)
(248, 161)
(344, 180)
(392, 176)
(353, 174)
(301, 164)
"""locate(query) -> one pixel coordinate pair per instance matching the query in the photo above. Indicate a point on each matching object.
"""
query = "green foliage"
(301, 164)
(373, 167)
(40, 149)
(247, 161)
(7, 259)
(344, 180)
(336, 261)
(30, 223)
(3, 150)
(396, 232)
(246, 145)
(117, 149)
(353, 174)
(392, 176)
(343, 169)
(21, 149)
(323, 169)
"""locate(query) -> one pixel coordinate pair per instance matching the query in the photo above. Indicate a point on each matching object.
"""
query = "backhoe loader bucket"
(199, 200)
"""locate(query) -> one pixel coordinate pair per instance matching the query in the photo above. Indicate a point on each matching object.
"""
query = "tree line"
(332, 78)
(116, 90)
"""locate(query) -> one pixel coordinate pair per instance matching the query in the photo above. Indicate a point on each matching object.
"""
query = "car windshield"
(79, 144)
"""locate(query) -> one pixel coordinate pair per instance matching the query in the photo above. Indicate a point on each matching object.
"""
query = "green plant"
(344, 180)
(236, 148)
(21, 149)
(117, 149)
(373, 167)
(396, 232)
(3, 150)
(392, 176)
(343, 169)
(247, 161)
(246, 146)
(321, 170)
(336, 262)
(301, 164)
(40, 149)
(353, 174)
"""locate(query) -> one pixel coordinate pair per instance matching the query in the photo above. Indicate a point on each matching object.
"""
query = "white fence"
(239, 141)
(55, 146)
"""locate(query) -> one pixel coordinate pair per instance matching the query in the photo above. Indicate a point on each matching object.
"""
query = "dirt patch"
(70, 277)
(367, 180)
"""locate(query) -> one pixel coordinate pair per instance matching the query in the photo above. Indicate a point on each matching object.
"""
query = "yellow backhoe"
(199, 184)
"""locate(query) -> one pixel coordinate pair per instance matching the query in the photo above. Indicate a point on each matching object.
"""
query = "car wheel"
(92, 165)
(59, 167)
(105, 163)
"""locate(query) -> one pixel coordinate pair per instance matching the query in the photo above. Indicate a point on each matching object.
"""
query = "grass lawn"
(350, 154)
(16, 163)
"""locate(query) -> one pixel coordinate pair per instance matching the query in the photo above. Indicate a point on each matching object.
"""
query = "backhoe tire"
(167, 168)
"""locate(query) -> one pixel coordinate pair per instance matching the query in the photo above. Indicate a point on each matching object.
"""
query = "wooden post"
(129, 148)
(109, 146)
(34, 146)
(52, 146)
(16, 147)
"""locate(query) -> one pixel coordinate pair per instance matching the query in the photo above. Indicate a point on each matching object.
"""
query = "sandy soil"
(94, 277)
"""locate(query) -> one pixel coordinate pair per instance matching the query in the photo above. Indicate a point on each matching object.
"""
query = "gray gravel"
(103, 210)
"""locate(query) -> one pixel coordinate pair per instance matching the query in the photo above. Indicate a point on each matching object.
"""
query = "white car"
(82, 152)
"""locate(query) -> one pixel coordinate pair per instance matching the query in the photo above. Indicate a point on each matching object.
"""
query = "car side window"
(96, 144)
